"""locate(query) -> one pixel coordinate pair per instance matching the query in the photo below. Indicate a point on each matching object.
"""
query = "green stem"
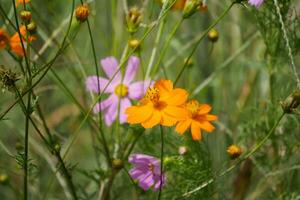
(201, 38)
(250, 153)
(161, 161)
(164, 51)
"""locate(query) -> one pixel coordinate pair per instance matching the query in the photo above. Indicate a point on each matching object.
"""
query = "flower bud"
(25, 16)
(3, 179)
(82, 13)
(133, 18)
(117, 164)
(234, 151)
(188, 62)
(31, 27)
(134, 44)
(190, 7)
(213, 35)
(290, 104)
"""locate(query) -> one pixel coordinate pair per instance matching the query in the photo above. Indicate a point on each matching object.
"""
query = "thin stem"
(161, 161)
(164, 51)
(201, 38)
(287, 42)
(250, 153)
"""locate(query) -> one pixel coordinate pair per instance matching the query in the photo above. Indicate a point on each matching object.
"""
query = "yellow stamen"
(121, 90)
(193, 107)
(152, 94)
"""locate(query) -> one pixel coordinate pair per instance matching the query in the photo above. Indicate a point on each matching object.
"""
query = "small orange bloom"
(4, 38)
(20, 2)
(162, 104)
(196, 119)
(234, 151)
(15, 41)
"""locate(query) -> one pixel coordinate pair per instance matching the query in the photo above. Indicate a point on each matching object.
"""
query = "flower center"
(152, 94)
(121, 90)
(193, 107)
(151, 167)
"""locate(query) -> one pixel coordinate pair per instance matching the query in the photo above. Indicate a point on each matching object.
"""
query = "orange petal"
(196, 131)
(164, 86)
(168, 120)
(153, 120)
(207, 126)
(204, 109)
(138, 114)
(177, 112)
(177, 97)
(182, 126)
(211, 117)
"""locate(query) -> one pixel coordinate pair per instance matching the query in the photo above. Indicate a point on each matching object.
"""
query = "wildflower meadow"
(149, 99)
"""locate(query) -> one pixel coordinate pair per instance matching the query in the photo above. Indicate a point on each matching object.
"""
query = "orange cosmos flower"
(196, 119)
(20, 2)
(15, 41)
(4, 38)
(162, 104)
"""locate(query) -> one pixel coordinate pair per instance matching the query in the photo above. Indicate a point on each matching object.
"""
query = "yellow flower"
(162, 104)
(198, 118)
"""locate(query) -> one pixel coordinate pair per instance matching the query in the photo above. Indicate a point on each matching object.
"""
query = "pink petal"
(138, 89)
(110, 66)
(141, 159)
(132, 68)
(158, 182)
(111, 113)
(147, 182)
(124, 104)
(92, 84)
(103, 104)
(256, 3)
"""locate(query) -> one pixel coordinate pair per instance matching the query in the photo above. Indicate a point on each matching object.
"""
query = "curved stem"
(250, 153)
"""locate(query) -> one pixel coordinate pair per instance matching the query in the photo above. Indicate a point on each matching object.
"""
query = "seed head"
(291, 103)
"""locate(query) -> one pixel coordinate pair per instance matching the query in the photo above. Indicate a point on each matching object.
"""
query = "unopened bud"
(134, 44)
(133, 18)
(234, 151)
(82, 13)
(117, 164)
(188, 62)
(3, 179)
(31, 27)
(213, 35)
(291, 103)
(25, 16)
(190, 7)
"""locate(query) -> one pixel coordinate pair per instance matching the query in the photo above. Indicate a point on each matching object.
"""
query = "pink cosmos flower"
(146, 171)
(120, 90)
(256, 3)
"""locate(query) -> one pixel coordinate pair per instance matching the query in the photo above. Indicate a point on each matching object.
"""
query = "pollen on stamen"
(193, 107)
(121, 90)
(152, 94)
